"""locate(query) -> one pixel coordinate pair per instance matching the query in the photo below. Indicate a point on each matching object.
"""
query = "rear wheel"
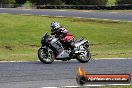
(46, 57)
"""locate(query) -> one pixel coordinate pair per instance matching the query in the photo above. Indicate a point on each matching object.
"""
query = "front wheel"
(46, 57)
(84, 57)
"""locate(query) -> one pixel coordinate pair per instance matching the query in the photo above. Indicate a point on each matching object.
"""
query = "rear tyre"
(46, 57)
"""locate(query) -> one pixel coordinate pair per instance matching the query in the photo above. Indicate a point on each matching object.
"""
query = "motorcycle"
(52, 49)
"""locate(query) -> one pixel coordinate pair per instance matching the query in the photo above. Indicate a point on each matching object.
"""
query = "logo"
(84, 78)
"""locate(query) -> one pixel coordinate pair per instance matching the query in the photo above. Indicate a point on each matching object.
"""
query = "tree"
(20, 1)
(69, 2)
(39, 2)
(124, 2)
(45, 2)
(86, 2)
(7, 1)
(98, 2)
(55, 2)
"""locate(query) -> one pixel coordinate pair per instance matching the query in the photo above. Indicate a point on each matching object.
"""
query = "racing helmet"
(54, 26)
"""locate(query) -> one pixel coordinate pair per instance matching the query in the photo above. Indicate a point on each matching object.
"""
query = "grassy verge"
(121, 11)
(129, 86)
(117, 86)
(20, 36)
(111, 2)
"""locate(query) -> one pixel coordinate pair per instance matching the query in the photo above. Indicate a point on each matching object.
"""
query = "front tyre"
(46, 57)
(84, 57)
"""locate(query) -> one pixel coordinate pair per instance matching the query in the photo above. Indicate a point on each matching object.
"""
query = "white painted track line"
(113, 12)
(73, 60)
(4, 13)
(59, 16)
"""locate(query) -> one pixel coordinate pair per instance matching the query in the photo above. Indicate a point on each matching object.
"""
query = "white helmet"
(54, 26)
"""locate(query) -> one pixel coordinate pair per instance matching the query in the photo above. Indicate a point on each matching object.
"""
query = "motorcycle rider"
(62, 33)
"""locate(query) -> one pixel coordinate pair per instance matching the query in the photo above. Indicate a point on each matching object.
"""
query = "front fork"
(47, 50)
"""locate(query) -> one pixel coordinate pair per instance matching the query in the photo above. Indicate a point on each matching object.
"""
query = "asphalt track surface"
(57, 74)
(73, 13)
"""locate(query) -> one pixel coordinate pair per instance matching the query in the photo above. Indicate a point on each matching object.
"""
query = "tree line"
(65, 2)
(69, 2)
(12, 1)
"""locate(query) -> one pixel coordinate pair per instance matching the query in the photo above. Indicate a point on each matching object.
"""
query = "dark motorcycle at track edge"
(52, 49)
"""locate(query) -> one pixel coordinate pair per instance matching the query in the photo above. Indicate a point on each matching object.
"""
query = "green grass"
(130, 86)
(20, 36)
